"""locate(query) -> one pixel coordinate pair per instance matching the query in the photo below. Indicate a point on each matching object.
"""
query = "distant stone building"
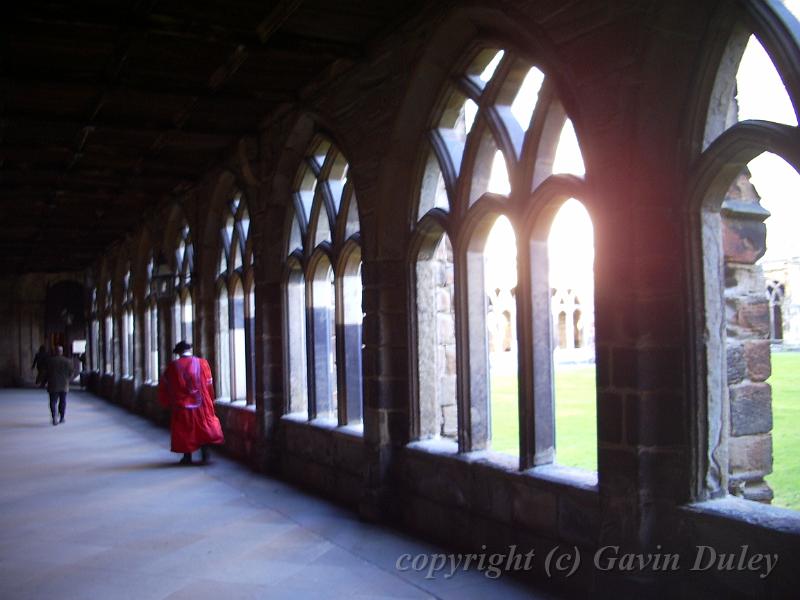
(782, 279)
(572, 308)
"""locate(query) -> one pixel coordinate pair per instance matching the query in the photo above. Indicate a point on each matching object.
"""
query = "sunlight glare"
(489, 70)
(500, 255)
(777, 183)
(760, 90)
(470, 111)
(568, 157)
(793, 6)
(525, 102)
(498, 178)
(571, 247)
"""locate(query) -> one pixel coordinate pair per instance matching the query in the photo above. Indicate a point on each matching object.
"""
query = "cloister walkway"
(96, 508)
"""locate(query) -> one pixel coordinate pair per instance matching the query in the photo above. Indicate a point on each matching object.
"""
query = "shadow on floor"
(29, 425)
(147, 466)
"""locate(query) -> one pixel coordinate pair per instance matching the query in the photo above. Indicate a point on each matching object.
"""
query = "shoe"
(61, 420)
(54, 421)
(186, 460)
(204, 454)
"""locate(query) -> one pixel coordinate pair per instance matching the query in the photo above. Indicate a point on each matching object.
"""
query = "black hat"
(181, 347)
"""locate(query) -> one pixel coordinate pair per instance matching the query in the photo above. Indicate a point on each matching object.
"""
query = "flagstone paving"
(97, 508)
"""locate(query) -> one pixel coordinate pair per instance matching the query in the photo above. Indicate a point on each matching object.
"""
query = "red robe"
(187, 388)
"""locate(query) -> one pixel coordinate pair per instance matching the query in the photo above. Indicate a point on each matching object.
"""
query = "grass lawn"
(576, 433)
(785, 381)
(576, 420)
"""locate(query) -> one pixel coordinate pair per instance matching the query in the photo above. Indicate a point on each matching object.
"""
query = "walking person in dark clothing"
(40, 364)
(60, 370)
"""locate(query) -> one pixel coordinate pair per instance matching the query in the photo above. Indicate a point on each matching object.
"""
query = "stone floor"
(97, 509)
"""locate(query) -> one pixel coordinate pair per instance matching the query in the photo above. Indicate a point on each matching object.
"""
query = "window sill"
(353, 430)
(440, 446)
(448, 447)
(748, 512)
(324, 423)
(235, 404)
(553, 475)
(295, 417)
(567, 476)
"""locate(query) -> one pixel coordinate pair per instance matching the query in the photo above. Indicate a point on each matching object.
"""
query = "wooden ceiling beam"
(116, 186)
(173, 91)
(276, 17)
(124, 128)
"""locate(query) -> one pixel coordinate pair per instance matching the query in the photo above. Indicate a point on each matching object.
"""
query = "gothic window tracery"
(108, 331)
(183, 306)
(152, 327)
(128, 333)
(323, 291)
(501, 160)
(235, 305)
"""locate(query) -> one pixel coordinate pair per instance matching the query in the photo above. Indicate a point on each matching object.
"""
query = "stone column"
(385, 385)
(747, 342)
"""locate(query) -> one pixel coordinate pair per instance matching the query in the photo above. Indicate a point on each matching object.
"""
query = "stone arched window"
(235, 305)
(152, 327)
(109, 332)
(322, 290)
(746, 210)
(94, 333)
(128, 333)
(501, 159)
(775, 294)
(182, 304)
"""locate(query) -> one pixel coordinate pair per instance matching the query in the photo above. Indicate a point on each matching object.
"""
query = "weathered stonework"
(748, 329)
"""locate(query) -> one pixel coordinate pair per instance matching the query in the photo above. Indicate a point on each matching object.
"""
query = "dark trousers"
(61, 399)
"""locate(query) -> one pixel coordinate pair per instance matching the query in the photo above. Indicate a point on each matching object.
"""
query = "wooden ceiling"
(107, 108)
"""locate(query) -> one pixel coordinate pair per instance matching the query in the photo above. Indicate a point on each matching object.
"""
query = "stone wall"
(436, 346)
(445, 361)
(15, 361)
(481, 499)
(239, 424)
(322, 458)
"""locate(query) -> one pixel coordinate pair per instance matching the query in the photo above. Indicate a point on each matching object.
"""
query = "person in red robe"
(187, 388)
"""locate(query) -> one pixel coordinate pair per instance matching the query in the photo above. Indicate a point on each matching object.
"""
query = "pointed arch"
(501, 114)
(236, 308)
(432, 348)
(323, 224)
(294, 335)
(349, 319)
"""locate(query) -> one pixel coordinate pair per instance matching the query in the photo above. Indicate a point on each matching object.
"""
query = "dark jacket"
(60, 371)
(40, 361)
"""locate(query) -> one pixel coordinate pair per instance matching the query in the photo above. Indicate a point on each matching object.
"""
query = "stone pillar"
(270, 382)
(386, 415)
(747, 341)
